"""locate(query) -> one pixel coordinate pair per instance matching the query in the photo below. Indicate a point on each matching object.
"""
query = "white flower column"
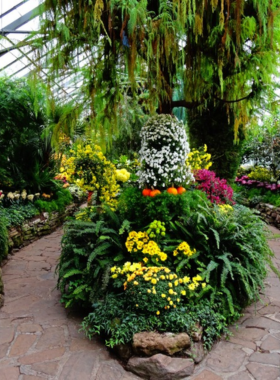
(163, 153)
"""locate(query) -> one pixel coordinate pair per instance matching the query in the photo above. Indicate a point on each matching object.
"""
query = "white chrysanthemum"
(164, 149)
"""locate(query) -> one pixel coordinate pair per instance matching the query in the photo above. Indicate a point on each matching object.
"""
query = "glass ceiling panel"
(6, 5)
(17, 16)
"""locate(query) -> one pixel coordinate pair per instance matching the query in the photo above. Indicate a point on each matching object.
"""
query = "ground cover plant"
(162, 259)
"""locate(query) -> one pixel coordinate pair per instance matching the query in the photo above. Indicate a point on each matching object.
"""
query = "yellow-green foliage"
(260, 174)
(89, 169)
(199, 159)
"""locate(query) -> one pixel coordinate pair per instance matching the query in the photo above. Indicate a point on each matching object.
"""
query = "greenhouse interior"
(139, 190)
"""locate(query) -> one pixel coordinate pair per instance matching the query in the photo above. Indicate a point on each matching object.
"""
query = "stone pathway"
(39, 339)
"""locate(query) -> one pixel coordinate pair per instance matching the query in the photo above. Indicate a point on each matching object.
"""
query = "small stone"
(197, 333)
(124, 351)
(196, 352)
(161, 367)
(150, 343)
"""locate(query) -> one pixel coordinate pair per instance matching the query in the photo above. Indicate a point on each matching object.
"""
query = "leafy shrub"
(259, 194)
(217, 190)
(110, 316)
(232, 250)
(25, 157)
(15, 214)
(89, 169)
(61, 198)
(89, 249)
(3, 240)
(164, 207)
(260, 174)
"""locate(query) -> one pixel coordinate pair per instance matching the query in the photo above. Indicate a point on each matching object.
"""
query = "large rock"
(161, 367)
(151, 343)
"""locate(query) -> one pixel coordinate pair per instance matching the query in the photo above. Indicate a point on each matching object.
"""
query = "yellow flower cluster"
(140, 242)
(184, 249)
(153, 276)
(165, 288)
(199, 159)
(225, 208)
(88, 168)
(127, 267)
(122, 175)
(196, 282)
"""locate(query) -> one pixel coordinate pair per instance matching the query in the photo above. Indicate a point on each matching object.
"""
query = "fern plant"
(89, 250)
(232, 253)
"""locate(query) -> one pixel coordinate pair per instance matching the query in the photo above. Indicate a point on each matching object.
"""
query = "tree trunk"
(215, 128)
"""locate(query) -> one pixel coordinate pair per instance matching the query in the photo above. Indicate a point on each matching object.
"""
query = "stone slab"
(206, 375)
(271, 344)
(9, 373)
(6, 334)
(265, 358)
(42, 356)
(244, 375)
(263, 372)
(51, 337)
(226, 357)
(49, 368)
(80, 365)
(22, 344)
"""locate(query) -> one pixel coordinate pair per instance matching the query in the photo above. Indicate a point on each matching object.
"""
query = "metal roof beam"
(13, 8)
(5, 31)
(24, 19)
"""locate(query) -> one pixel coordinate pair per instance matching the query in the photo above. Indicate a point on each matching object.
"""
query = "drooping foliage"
(25, 156)
(221, 49)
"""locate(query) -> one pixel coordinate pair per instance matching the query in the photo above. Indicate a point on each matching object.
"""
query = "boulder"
(151, 343)
(161, 367)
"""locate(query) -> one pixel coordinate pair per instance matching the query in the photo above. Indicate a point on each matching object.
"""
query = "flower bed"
(172, 262)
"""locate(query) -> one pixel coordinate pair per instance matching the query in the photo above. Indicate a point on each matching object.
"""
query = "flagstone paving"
(39, 339)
